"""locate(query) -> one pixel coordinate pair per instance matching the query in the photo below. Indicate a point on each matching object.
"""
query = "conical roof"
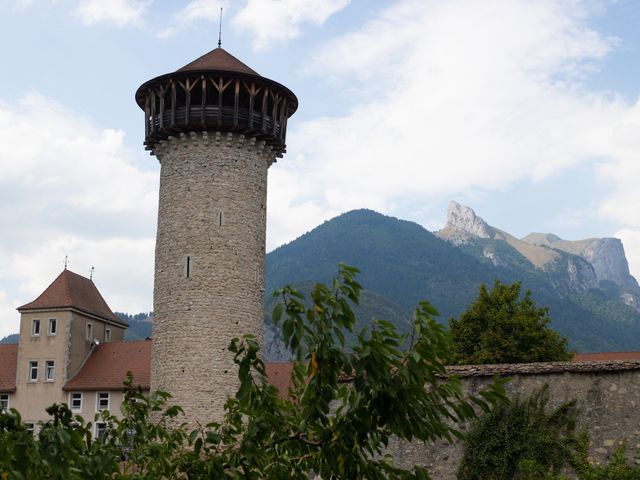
(70, 290)
(218, 59)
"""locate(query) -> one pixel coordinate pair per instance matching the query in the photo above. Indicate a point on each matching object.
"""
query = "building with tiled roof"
(70, 291)
(108, 365)
(71, 350)
(64, 333)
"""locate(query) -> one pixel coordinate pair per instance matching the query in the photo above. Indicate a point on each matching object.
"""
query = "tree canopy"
(343, 407)
(501, 327)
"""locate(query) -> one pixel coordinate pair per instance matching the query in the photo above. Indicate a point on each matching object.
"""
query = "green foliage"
(63, 450)
(339, 429)
(521, 440)
(617, 468)
(500, 327)
(344, 405)
(524, 440)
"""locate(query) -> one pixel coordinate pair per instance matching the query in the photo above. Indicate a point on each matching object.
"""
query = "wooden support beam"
(161, 92)
(265, 97)
(274, 112)
(173, 103)
(147, 113)
(153, 110)
(203, 104)
(236, 103)
(187, 103)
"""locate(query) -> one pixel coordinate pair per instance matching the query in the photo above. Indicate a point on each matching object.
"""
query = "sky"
(527, 111)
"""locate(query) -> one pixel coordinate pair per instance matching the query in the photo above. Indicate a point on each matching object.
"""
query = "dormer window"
(35, 328)
(53, 326)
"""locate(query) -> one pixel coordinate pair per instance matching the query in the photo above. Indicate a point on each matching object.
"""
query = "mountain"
(591, 295)
(571, 266)
(139, 325)
(13, 338)
(399, 260)
(607, 257)
(402, 263)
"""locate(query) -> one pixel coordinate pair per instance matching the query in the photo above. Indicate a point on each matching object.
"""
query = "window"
(4, 402)
(35, 328)
(75, 401)
(53, 326)
(49, 370)
(107, 335)
(30, 427)
(220, 219)
(89, 331)
(102, 401)
(33, 370)
(101, 430)
(188, 266)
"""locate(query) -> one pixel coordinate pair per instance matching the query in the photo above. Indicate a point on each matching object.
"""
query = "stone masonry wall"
(209, 265)
(608, 395)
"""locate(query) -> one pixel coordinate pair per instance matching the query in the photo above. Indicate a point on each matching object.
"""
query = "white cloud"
(117, 12)
(631, 241)
(68, 188)
(271, 21)
(624, 169)
(194, 11)
(446, 98)
(9, 318)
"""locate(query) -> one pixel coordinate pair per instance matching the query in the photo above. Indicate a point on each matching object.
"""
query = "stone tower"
(216, 126)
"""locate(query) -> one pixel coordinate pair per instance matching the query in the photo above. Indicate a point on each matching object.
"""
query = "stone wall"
(209, 265)
(608, 395)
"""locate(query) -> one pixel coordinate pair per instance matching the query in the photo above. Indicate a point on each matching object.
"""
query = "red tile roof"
(606, 356)
(71, 290)
(279, 375)
(107, 367)
(218, 59)
(8, 367)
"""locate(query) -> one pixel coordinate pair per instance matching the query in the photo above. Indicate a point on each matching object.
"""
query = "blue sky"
(526, 111)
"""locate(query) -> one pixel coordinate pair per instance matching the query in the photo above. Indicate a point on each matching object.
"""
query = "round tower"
(216, 126)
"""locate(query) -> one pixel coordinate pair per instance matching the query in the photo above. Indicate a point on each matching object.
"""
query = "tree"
(528, 439)
(343, 407)
(500, 327)
(522, 439)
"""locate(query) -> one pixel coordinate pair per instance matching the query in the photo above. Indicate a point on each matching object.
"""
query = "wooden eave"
(140, 93)
(94, 316)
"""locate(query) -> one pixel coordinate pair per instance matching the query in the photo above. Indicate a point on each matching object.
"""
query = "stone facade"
(209, 265)
(608, 394)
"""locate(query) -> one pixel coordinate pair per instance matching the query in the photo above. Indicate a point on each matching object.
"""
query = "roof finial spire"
(66, 261)
(91, 273)
(220, 30)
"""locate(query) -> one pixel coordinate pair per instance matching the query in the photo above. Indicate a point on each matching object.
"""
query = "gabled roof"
(71, 290)
(8, 367)
(218, 59)
(108, 364)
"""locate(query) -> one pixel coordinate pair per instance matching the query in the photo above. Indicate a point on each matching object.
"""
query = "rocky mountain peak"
(546, 239)
(464, 218)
